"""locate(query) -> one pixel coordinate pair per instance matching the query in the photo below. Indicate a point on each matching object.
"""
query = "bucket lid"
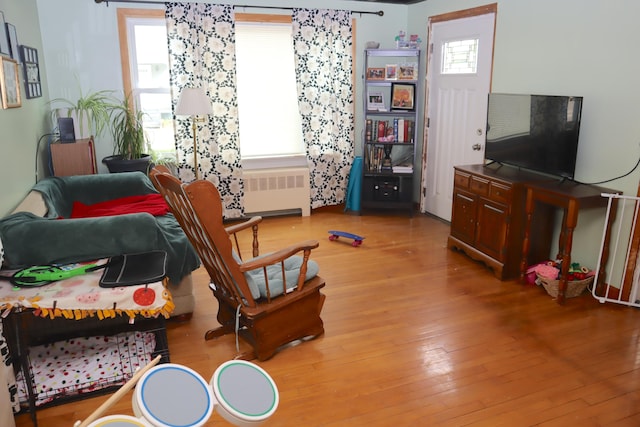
(245, 390)
(118, 421)
(174, 395)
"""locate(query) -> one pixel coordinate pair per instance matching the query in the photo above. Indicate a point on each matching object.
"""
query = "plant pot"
(117, 164)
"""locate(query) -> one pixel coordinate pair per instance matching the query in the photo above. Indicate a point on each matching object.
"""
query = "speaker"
(65, 126)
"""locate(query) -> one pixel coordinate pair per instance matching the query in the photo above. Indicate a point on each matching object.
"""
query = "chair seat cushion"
(256, 278)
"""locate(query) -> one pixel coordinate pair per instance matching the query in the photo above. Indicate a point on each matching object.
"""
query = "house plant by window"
(90, 112)
(129, 139)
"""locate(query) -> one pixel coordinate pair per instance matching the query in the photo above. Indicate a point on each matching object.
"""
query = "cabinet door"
(463, 216)
(492, 229)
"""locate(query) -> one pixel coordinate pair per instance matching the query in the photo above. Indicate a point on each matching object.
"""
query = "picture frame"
(375, 101)
(31, 69)
(5, 48)
(375, 73)
(10, 83)
(403, 96)
(13, 41)
(391, 72)
(408, 72)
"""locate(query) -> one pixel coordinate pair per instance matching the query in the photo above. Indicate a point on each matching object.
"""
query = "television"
(535, 132)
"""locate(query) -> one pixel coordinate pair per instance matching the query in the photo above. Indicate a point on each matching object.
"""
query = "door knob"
(476, 147)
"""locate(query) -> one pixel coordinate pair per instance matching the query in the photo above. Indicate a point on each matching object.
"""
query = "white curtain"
(323, 50)
(201, 41)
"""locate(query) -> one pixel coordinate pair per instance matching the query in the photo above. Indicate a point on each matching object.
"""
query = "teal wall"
(20, 128)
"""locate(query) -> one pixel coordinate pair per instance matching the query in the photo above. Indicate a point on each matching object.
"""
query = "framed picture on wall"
(5, 49)
(403, 96)
(32, 85)
(13, 41)
(10, 84)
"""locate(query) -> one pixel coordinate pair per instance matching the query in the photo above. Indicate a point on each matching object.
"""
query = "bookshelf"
(390, 128)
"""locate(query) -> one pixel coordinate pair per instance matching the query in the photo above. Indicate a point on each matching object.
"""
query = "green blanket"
(31, 240)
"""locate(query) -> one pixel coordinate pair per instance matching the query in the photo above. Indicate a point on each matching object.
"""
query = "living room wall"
(575, 47)
(21, 127)
(88, 51)
(571, 47)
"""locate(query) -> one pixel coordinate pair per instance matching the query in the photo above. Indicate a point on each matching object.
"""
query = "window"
(269, 117)
(270, 124)
(143, 43)
(460, 57)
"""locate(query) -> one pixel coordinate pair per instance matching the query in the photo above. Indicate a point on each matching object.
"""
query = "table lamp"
(193, 101)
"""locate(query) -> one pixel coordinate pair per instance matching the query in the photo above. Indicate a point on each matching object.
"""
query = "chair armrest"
(232, 229)
(252, 223)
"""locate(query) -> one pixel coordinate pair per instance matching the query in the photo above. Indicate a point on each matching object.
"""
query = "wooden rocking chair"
(271, 300)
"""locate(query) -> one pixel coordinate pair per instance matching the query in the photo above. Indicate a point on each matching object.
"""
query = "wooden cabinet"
(488, 217)
(74, 158)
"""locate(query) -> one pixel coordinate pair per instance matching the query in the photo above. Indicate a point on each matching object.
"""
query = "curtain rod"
(379, 13)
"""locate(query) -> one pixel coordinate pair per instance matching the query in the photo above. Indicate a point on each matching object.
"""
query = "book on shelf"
(402, 168)
(396, 130)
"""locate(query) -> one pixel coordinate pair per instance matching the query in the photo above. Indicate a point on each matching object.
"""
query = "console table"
(571, 197)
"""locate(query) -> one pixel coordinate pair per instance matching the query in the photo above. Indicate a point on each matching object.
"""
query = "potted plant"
(91, 112)
(130, 142)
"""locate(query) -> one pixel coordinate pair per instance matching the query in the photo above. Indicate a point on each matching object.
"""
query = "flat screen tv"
(535, 132)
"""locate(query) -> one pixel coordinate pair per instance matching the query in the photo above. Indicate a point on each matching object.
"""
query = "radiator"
(277, 191)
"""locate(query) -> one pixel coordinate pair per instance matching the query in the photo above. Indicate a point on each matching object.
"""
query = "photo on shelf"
(408, 72)
(375, 73)
(403, 96)
(375, 101)
(391, 72)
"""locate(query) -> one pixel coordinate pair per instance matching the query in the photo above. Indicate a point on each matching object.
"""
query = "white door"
(458, 81)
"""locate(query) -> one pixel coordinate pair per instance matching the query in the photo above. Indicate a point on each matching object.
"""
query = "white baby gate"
(626, 291)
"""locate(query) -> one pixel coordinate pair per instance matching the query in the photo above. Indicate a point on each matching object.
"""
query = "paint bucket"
(171, 395)
(119, 421)
(244, 393)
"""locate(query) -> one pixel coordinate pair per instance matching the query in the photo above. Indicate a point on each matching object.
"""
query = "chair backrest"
(198, 208)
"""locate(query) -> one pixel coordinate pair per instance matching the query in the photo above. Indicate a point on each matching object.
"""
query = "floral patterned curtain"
(323, 51)
(201, 41)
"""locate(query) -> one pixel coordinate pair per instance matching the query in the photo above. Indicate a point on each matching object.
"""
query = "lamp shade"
(193, 101)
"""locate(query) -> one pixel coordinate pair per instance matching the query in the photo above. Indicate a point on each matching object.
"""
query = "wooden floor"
(419, 335)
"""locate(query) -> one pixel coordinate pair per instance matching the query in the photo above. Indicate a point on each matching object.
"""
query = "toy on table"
(40, 275)
(335, 234)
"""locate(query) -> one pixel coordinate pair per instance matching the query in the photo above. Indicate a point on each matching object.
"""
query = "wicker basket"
(574, 287)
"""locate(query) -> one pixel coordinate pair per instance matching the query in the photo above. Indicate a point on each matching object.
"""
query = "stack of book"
(402, 169)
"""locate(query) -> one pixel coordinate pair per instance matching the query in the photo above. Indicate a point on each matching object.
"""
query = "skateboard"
(357, 240)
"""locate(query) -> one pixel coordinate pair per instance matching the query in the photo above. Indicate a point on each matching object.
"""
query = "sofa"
(45, 229)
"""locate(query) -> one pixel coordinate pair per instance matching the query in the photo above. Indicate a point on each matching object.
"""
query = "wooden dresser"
(488, 217)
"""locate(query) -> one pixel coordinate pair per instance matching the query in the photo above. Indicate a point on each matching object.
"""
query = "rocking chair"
(269, 300)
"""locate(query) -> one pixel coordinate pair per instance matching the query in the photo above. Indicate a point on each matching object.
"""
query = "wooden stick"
(118, 394)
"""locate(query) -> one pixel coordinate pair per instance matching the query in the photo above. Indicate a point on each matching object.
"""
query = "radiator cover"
(277, 190)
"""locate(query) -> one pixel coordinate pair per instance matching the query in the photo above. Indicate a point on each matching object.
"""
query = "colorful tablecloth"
(81, 296)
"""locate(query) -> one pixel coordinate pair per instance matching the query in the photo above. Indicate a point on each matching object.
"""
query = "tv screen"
(535, 132)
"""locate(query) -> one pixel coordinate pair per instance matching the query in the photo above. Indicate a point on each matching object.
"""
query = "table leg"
(527, 230)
